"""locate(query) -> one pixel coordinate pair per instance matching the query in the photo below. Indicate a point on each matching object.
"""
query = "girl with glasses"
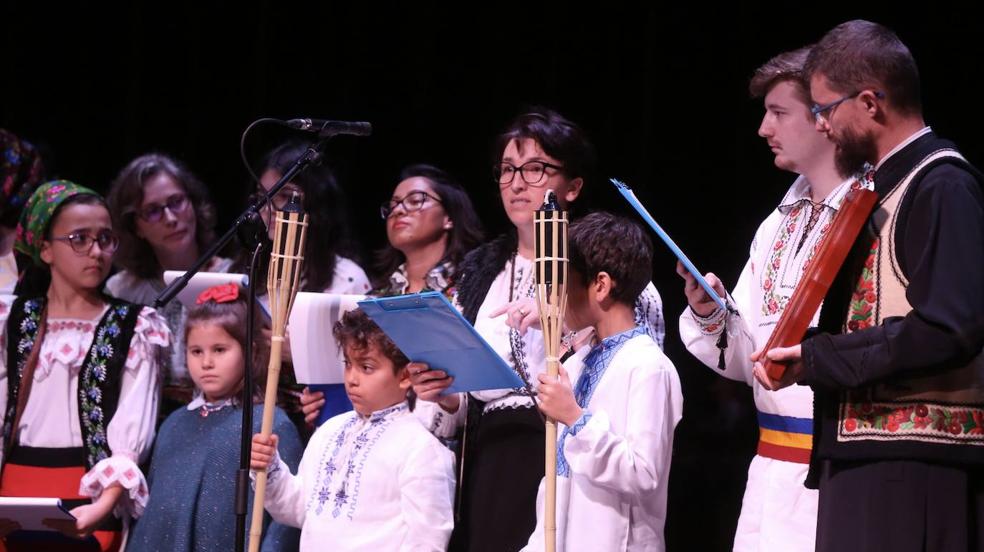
(165, 219)
(79, 378)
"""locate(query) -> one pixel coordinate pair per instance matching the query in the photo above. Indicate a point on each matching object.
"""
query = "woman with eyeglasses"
(328, 260)
(79, 391)
(504, 448)
(165, 219)
(328, 253)
(430, 225)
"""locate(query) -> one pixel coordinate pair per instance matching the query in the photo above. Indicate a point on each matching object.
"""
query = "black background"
(661, 89)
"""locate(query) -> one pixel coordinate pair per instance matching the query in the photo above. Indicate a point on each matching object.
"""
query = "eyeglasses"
(819, 110)
(281, 198)
(414, 201)
(155, 212)
(532, 172)
(81, 242)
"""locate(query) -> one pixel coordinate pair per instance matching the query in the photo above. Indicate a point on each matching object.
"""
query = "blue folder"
(427, 328)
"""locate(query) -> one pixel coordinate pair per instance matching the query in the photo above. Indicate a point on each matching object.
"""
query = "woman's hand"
(429, 384)
(521, 314)
(311, 404)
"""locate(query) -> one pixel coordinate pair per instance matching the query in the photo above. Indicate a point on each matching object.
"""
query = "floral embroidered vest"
(944, 407)
(99, 377)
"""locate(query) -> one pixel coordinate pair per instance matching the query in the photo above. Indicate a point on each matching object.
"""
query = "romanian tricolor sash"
(785, 438)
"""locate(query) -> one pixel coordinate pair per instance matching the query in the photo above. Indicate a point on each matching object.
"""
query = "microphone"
(326, 129)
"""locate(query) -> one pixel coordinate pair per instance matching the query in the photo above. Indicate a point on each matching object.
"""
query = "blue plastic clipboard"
(630, 196)
(427, 328)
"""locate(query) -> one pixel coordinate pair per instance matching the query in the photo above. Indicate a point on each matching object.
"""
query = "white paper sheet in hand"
(316, 357)
(29, 512)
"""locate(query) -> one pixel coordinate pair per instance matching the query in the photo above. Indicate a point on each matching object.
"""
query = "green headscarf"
(37, 215)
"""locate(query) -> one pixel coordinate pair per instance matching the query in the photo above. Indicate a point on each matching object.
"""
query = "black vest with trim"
(99, 378)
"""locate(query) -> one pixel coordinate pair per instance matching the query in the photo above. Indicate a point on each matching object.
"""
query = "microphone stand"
(311, 157)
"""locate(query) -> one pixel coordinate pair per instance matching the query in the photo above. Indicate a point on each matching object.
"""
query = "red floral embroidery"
(861, 314)
(913, 420)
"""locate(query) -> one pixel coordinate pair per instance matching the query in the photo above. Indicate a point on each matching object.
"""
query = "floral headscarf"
(38, 212)
(21, 171)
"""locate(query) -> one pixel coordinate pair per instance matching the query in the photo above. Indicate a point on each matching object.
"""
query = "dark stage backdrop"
(661, 90)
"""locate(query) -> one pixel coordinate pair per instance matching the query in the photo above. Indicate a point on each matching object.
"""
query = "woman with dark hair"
(165, 219)
(327, 264)
(430, 225)
(328, 267)
(539, 150)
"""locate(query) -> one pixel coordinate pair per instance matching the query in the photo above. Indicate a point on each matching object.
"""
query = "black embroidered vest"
(99, 378)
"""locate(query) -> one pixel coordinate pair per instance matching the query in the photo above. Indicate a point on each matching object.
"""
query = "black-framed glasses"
(281, 198)
(414, 201)
(176, 203)
(532, 172)
(819, 110)
(81, 242)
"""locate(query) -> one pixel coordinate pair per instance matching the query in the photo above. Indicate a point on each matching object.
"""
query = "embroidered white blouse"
(51, 418)
(380, 482)
(778, 512)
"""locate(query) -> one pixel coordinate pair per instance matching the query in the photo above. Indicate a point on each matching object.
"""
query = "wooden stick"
(550, 229)
(283, 281)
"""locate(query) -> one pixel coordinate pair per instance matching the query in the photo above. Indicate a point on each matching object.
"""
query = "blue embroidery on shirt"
(595, 364)
(363, 444)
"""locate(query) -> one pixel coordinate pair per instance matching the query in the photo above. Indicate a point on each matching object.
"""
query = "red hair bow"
(220, 294)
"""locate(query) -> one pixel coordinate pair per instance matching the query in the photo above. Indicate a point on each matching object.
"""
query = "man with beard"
(898, 451)
(778, 513)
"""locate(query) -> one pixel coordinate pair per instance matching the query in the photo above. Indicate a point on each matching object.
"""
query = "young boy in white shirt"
(616, 423)
(370, 479)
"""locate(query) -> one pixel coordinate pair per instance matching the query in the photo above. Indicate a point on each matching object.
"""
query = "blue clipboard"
(427, 328)
(630, 196)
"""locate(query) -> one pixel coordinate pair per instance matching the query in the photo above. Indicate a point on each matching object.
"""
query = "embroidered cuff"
(118, 469)
(276, 468)
(711, 324)
(581, 422)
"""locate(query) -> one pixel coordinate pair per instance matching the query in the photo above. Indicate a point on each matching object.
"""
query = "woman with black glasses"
(504, 448)
(165, 219)
(430, 225)
(329, 256)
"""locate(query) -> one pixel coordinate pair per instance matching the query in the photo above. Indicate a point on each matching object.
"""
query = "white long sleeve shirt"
(614, 497)
(380, 482)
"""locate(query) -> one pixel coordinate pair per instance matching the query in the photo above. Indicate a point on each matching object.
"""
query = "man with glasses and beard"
(898, 451)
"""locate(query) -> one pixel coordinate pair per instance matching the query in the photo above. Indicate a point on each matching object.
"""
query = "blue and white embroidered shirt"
(377, 482)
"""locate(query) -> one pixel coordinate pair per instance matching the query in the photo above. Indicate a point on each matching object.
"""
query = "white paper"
(315, 355)
(30, 511)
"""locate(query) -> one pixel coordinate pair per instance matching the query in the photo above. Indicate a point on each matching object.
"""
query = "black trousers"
(900, 506)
